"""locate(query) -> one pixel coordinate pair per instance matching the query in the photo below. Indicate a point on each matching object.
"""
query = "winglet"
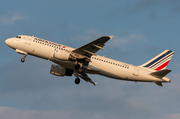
(111, 37)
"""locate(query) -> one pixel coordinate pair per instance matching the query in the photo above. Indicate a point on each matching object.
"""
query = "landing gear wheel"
(77, 81)
(22, 60)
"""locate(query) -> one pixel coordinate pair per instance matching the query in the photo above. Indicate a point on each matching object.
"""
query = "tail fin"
(160, 61)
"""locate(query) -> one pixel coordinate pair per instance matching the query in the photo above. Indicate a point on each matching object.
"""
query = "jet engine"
(60, 71)
(63, 55)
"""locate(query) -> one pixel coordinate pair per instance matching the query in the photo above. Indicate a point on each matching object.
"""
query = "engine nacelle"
(60, 71)
(63, 55)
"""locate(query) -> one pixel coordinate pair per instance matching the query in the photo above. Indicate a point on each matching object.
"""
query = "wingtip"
(111, 37)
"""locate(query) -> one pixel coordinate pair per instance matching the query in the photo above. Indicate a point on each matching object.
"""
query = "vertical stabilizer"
(160, 61)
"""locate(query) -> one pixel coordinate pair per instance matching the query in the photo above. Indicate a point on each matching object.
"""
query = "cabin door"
(136, 71)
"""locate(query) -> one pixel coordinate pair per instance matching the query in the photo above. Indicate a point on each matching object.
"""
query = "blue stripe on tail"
(159, 58)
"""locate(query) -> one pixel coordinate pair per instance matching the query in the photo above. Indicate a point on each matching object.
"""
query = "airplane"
(84, 60)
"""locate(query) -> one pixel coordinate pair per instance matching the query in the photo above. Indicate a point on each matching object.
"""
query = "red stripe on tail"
(162, 66)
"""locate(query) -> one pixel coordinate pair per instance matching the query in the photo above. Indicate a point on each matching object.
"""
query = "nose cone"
(7, 41)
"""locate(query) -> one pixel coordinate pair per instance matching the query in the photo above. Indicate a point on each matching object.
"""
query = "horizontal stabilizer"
(161, 73)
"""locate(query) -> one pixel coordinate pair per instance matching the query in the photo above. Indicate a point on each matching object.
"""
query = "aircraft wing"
(91, 48)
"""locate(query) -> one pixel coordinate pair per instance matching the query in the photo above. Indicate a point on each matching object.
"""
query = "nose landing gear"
(23, 59)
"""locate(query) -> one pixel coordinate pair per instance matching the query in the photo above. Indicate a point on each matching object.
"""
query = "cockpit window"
(18, 36)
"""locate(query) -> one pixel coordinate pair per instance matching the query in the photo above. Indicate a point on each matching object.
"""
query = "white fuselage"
(98, 64)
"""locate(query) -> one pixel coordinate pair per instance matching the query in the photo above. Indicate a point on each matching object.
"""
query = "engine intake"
(60, 71)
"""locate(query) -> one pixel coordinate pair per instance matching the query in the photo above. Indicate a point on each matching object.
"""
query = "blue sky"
(142, 29)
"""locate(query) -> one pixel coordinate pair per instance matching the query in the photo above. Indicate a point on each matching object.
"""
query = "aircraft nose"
(8, 41)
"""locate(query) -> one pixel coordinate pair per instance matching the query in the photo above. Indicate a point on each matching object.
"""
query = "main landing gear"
(87, 79)
(77, 80)
(23, 59)
(78, 72)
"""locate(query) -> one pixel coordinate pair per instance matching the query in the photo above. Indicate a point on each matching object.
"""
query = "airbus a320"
(83, 60)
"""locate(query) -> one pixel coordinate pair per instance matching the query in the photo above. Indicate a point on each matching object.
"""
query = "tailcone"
(165, 79)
